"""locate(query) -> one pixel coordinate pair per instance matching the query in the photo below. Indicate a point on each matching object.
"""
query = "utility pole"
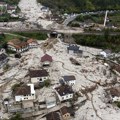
(105, 20)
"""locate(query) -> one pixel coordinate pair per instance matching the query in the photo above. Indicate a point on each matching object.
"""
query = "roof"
(3, 56)
(27, 104)
(17, 43)
(53, 116)
(38, 73)
(69, 78)
(115, 91)
(23, 90)
(46, 57)
(74, 48)
(31, 41)
(64, 90)
(107, 51)
(64, 110)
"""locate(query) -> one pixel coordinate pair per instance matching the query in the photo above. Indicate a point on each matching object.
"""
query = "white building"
(105, 53)
(115, 93)
(74, 50)
(32, 43)
(70, 80)
(50, 102)
(25, 92)
(17, 45)
(64, 92)
(37, 76)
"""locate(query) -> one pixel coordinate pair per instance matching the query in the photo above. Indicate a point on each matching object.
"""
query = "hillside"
(81, 5)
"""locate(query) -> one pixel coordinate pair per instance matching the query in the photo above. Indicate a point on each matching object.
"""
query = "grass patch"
(34, 35)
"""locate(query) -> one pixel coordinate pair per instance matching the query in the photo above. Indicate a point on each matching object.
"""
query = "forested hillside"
(81, 5)
(12, 2)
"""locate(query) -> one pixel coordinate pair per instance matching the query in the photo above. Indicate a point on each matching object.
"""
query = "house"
(11, 9)
(3, 59)
(64, 92)
(70, 80)
(45, 9)
(115, 93)
(53, 116)
(32, 43)
(37, 76)
(50, 102)
(3, 8)
(17, 45)
(65, 113)
(74, 50)
(46, 60)
(105, 53)
(24, 93)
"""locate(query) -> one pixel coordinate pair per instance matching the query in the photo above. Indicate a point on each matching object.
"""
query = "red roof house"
(46, 60)
(46, 57)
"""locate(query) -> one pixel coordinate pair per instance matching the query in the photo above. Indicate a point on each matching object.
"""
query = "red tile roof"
(31, 41)
(46, 57)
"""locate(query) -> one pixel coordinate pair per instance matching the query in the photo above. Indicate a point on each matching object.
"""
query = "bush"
(7, 66)
(47, 83)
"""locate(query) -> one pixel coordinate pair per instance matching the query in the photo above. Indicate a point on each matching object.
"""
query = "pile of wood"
(75, 62)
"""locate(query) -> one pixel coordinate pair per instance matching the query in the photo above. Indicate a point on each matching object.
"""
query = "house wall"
(18, 50)
(65, 97)
(33, 45)
(116, 99)
(70, 83)
(21, 97)
(71, 52)
(46, 63)
(38, 79)
(51, 104)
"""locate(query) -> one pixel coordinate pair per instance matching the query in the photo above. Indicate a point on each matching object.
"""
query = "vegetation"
(105, 41)
(7, 66)
(114, 19)
(12, 2)
(47, 83)
(16, 117)
(81, 5)
(34, 35)
(15, 86)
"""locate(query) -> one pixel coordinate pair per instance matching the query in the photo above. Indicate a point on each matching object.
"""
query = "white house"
(115, 93)
(11, 9)
(17, 45)
(64, 92)
(50, 102)
(74, 50)
(70, 80)
(32, 43)
(37, 76)
(105, 53)
(45, 9)
(25, 92)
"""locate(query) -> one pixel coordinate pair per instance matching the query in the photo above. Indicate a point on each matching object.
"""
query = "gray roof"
(38, 73)
(69, 78)
(74, 48)
(107, 51)
(3, 56)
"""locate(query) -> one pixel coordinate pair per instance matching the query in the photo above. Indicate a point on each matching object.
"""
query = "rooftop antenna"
(105, 20)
